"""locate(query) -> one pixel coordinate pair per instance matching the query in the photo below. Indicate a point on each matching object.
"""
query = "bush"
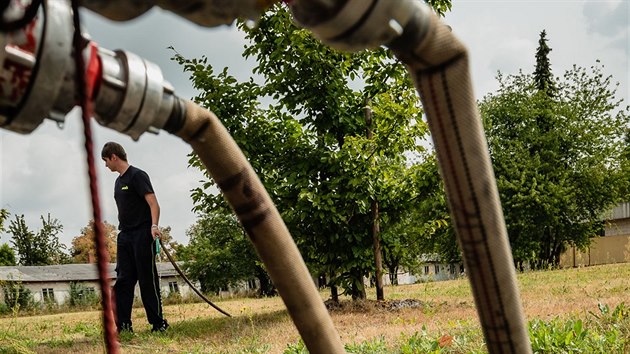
(604, 332)
(174, 298)
(83, 296)
(17, 297)
(4, 309)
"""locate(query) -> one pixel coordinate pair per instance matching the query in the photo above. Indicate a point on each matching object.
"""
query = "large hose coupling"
(37, 74)
(353, 25)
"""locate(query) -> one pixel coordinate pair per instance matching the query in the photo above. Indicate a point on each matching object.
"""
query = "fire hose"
(183, 275)
(131, 96)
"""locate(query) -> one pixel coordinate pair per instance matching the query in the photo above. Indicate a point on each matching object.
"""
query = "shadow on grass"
(245, 327)
(243, 324)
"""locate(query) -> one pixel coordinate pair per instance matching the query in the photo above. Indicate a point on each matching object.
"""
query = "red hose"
(102, 256)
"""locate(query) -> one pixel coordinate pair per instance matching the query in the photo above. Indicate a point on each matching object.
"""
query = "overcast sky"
(45, 172)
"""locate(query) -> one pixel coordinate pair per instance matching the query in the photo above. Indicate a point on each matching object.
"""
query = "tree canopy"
(543, 78)
(558, 158)
(220, 256)
(40, 248)
(7, 255)
(310, 145)
(4, 215)
(83, 247)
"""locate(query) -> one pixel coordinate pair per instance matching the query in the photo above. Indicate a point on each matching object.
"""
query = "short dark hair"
(112, 148)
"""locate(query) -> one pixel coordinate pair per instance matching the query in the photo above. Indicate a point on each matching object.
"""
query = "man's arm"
(155, 214)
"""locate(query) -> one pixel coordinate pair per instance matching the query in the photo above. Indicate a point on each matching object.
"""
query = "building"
(430, 269)
(612, 247)
(52, 283)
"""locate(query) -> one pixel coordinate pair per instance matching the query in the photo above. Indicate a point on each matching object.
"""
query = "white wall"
(61, 290)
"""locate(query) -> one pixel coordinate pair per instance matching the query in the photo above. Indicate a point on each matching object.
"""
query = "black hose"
(181, 273)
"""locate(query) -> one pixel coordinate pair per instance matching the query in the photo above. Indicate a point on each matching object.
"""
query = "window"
(173, 287)
(452, 268)
(48, 295)
(437, 269)
(426, 269)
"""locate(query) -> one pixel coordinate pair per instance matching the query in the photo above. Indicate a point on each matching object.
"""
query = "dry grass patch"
(441, 310)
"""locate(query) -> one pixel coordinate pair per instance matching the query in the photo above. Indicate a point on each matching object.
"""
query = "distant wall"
(618, 227)
(603, 250)
(61, 290)
(428, 272)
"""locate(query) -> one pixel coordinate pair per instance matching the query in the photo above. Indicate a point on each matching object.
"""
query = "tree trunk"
(377, 252)
(321, 281)
(358, 288)
(558, 249)
(266, 286)
(393, 275)
(334, 293)
(376, 241)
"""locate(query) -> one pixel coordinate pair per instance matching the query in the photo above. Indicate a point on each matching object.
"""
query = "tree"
(7, 256)
(625, 167)
(441, 7)
(173, 246)
(83, 247)
(17, 297)
(423, 230)
(310, 147)
(543, 78)
(558, 159)
(219, 255)
(82, 295)
(41, 248)
(4, 215)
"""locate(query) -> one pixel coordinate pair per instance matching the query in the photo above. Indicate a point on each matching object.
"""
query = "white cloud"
(608, 18)
(504, 36)
(45, 173)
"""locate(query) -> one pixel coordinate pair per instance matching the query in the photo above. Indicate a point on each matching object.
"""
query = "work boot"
(160, 327)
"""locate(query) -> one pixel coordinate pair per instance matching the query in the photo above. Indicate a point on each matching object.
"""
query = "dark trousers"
(136, 263)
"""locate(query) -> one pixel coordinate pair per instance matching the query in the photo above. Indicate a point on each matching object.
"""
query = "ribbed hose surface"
(268, 233)
(439, 67)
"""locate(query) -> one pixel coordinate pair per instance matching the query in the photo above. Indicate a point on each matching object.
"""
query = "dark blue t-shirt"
(129, 192)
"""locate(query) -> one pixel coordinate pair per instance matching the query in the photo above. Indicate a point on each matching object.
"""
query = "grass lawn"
(587, 309)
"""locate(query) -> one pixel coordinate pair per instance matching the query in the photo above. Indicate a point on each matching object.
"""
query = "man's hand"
(155, 231)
